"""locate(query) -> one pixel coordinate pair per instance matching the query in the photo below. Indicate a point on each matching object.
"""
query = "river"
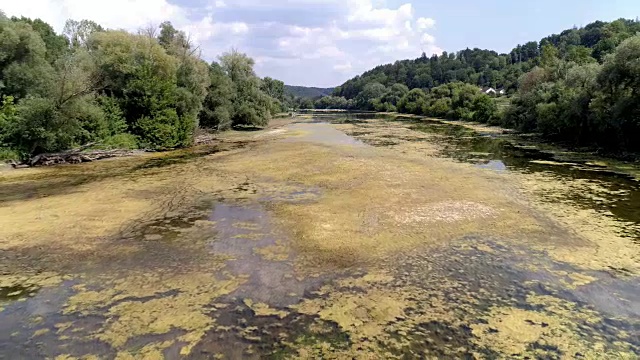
(326, 236)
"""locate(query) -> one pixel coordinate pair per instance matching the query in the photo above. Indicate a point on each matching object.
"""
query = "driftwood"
(76, 156)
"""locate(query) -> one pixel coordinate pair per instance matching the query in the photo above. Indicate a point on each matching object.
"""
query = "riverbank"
(334, 238)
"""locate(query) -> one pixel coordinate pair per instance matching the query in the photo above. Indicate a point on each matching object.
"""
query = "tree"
(143, 79)
(370, 92)
(274, 89)
(306, 103)
(331, 102)
(217, 108)
(580, 55)
(56, 45)
(549, 56)
(251, 105)
(618, 104)
(485, 109)
(23, 65)
(413, 102)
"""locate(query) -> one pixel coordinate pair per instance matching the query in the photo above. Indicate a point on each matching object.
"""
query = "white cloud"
(349, 37)
(425, 23)
(118, 14)
(427, 39)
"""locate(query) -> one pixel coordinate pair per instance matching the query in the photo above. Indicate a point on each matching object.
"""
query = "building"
(493, 92)
(489, 91)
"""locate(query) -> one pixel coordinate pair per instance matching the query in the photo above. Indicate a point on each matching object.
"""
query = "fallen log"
(76, 157)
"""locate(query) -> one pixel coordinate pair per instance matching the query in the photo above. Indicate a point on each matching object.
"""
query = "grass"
(7, 154)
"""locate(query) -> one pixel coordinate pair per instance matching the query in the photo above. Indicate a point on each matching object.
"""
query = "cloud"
(425, 23)
(427, 39)
(306, 42)
(119, 14)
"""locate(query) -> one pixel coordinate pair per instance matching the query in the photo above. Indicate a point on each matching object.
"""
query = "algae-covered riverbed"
(325, 237)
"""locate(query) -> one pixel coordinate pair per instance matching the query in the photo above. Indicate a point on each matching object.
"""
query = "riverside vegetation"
(118, 89)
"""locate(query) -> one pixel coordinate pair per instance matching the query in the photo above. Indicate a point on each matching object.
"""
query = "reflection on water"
(321, 132)
(339, 117)
(497, 165)
(257, 251)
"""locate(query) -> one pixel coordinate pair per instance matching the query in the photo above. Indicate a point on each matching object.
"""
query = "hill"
(579, 87)
(307, 92)
(488, 68)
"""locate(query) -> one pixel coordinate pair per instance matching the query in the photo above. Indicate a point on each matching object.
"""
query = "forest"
(115, 89)
(581, 86)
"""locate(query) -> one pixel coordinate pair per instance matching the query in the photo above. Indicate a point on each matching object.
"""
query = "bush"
(485, 109)
(160, 131)
(121, 141)
(7, 154)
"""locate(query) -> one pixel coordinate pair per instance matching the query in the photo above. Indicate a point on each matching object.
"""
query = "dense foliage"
(118, 89)
(586, 104)
(580, 86)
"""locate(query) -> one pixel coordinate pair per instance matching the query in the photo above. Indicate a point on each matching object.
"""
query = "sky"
(325, 42)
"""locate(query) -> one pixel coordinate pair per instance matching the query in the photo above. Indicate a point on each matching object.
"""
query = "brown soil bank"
(303, 242)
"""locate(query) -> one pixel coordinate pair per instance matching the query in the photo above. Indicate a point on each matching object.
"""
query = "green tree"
(580, 55)
(484, 109)
(251, 105)
(218, 105)
(139, 74)
(275, 90)
(618, 104)
(549, 56)
(56, 45)
(23, 65)
(413, 102)
(370, 92)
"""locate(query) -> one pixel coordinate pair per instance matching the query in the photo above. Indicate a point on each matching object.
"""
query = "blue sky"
(325, 42)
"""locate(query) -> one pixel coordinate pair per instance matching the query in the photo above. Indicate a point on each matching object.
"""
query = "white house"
(492, 91)
(489, 91)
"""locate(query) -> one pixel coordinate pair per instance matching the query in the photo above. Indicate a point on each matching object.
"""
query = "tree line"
(581, 86)
(113, 88)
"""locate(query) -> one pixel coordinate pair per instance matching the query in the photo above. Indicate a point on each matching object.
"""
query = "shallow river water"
(327, 236)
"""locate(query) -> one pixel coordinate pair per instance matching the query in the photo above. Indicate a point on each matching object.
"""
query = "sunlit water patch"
(321, 133)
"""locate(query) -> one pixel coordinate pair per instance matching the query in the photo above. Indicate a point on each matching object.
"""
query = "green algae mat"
(341, 237)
